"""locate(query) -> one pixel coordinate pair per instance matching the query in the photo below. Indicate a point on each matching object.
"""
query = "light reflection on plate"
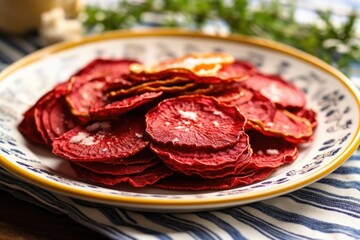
(328, 92)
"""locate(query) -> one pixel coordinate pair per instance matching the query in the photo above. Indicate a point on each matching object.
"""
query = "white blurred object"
(55, 27)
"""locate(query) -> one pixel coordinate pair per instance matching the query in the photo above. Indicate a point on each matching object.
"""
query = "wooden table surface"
(20, 220)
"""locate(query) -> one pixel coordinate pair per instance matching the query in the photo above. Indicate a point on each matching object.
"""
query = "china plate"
(328, 92)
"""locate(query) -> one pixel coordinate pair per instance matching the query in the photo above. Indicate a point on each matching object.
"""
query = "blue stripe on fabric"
(34, 40)
(127, 216)
(347, 170)
(341, 184)
(188, 227)
(17, 45)
(10, 51)
(196, 230)
(326, 202)
(233, 232)
(105, 229)
(339, 197)
(5, 58)
(75, 213)
(311, 223)
(3, 66)
(267, 229)
(114, 217)
(196, 225)
(354, 157)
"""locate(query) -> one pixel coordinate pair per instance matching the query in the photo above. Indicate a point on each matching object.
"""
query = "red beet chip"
(52, 116)
(171, 85)
(242, 162)
(112, 69)
(270, 152)
(56, 118)
(102, 141)
(148, 177)
(236, 71)
(308, 114)
(144, 156)
(32, 124)
(181, 182)
(234, 93)
(117, 169)
(278, 90)
(164, 75)
(201, 64)
(201, 68)
(115, 109)
(230, 74)
(263, 116)
(194, 121)
(258, 110)
(28, 127)
(82, 94)
(201, 159)
(288, 126)
(86, 87)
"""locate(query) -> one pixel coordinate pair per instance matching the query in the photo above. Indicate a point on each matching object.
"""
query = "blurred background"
(329, 30)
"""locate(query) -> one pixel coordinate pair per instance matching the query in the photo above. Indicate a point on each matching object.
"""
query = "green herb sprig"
(336, 44)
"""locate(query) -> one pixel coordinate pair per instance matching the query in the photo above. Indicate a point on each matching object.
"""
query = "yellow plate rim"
(165, 202)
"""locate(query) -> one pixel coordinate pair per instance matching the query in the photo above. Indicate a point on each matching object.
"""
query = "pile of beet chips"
(199, 122)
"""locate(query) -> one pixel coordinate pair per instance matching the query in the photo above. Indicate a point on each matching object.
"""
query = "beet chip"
(236, 71)
(224, 74)
(82, 94)
(258, 110)
(115, 109)
(87, 85)
(144, 156)
(200, 159)
(308, 114)
(242, 162)
(170, 85)
(201, 68)
(148, 177)
(287, 125)
(28, 127)
(206, 64)
(181, 182)
(53, 117)
(201, 88)
(117, 169)
(112, 69)
(33, 127)
(194, 121)
(235, 94)
(263, 116)
(277, 90)
(102, 141)
(270, 152)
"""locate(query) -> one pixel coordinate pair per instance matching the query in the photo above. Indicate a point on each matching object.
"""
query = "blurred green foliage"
(334, 42)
